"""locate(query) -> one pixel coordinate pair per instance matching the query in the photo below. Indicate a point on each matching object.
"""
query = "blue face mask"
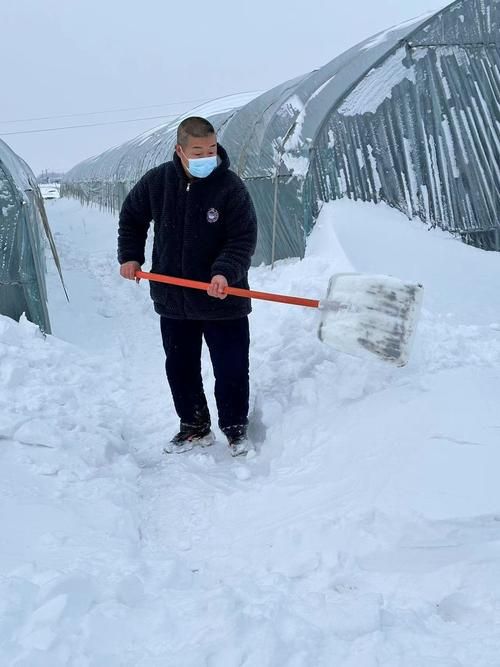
(201, 167)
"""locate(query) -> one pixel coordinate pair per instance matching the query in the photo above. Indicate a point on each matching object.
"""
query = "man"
(205, 228)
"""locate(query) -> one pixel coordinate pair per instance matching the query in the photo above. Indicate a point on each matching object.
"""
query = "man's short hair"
(194, 126)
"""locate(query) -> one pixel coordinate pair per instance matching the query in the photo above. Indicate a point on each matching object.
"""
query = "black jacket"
(202, 227)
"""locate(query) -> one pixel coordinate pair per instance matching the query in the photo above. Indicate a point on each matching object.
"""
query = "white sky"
(70, 57)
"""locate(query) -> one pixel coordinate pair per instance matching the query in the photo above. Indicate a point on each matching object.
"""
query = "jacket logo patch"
(212, 215)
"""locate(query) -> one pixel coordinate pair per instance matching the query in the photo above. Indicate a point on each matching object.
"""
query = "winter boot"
(237, 439)
(189, 436)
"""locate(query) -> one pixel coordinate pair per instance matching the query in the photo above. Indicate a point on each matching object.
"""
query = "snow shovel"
(362, 315)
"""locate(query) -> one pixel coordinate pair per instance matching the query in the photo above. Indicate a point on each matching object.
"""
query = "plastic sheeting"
(22, 251)
(421, 130)
(410, 116)
(106, 179)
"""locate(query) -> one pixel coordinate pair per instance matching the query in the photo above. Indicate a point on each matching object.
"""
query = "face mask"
(201, 167)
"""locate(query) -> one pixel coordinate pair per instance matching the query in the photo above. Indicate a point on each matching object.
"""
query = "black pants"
(228, 342)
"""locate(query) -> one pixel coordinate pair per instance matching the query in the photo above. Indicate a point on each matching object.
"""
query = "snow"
(374, 170)
(291, 107)
(385, 34)
(365, 531)
(216, 106)
(297, 164)
(410, 170)
(442, 74)
(450, 146)
(223, 104)
(377, 85)
(294, 140)
(319, 90)
(292, 159)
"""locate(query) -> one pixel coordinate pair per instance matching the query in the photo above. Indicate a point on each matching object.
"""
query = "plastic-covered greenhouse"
(410, 116)
(23, 224)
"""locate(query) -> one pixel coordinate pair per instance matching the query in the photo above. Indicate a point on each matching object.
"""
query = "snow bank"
(365, 531)
(461, 281)
(68, 522)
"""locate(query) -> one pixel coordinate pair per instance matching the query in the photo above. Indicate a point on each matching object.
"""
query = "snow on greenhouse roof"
(381, 37)
(128, 161)
(329, 85)
(254, 127)
(342, 119)
(222, 104)
(205, 110)
(272, 133)
(283, 122)
(377, 86)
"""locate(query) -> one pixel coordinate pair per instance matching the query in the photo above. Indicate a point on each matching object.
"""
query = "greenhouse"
(410, 117)
(23, 226)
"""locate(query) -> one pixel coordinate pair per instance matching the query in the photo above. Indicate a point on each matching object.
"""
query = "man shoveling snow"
(205, 227)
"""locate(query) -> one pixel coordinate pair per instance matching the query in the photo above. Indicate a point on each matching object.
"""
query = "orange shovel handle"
(233, 291)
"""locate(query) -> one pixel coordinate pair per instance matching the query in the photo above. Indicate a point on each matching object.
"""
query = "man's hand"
(128, 269)
(217, 287)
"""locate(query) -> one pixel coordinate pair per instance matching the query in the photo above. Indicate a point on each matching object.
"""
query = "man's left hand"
(217, 287)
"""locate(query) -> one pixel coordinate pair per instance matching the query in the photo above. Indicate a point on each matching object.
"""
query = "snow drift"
(366, 529)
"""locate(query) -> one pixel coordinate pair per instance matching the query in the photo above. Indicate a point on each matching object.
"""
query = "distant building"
(410, 117)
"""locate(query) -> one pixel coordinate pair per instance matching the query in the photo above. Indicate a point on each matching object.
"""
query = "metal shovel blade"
(365, 315)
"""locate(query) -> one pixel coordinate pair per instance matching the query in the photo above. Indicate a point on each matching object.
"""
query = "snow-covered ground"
(364, 533)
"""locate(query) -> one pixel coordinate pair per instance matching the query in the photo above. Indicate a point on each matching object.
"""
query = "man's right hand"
(128, 269)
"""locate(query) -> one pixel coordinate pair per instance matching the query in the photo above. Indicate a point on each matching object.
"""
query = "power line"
(111, 122)
(94, 113)
(72, 127)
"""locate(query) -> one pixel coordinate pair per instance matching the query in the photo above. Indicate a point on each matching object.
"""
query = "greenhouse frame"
(409, 117)
(23, 226)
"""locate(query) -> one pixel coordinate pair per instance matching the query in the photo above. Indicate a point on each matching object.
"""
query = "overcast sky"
(69, 57)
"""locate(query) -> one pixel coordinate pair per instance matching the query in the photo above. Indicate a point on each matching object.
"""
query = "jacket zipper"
(188, 186)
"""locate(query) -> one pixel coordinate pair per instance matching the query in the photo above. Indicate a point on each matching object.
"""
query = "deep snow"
(366, 530)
